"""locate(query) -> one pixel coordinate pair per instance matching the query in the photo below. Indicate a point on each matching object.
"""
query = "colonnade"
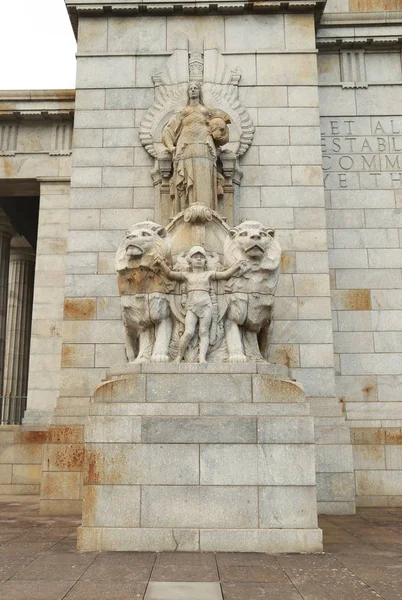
(17, 269)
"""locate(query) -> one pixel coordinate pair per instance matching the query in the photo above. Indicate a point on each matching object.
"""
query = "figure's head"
(197, 257)
(194, 91)
(142, 237)
(142, 241)
(219, 130)
(253, 238)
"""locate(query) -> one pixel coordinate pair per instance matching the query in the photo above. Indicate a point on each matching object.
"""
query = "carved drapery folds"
(196, 131)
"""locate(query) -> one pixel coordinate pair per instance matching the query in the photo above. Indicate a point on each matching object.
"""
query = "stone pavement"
(38, 561)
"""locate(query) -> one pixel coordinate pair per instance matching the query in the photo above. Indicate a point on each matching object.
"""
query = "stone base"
(199, 540)
(183, 457)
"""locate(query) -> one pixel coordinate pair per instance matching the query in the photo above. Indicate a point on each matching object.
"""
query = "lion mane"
(250, 297)
(144, 292)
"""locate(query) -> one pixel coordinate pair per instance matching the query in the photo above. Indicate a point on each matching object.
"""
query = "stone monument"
(198, 443)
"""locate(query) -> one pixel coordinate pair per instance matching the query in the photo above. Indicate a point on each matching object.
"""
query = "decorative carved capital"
(197, 213)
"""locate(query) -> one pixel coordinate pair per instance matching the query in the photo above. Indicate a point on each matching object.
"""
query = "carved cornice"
(364, 18)
(34, 105)
(36, 115)
(335, 43)
(82, 8)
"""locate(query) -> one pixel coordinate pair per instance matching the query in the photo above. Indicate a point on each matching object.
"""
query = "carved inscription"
(362, 152)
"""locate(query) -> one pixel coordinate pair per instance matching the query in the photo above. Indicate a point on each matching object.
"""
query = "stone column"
(48, 301)
(18, 332)
(6, 233)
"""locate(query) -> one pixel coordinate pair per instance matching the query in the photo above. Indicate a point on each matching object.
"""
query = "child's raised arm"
(227, 273)
(167, 271)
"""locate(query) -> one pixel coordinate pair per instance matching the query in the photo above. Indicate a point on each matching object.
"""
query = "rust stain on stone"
(99, 469)
(375, 451)
(94, 464)
(79, 308)
(374, 5)
(393, 436)
(351, 300)
(31, 437)
(367, 436)
(287, 262)
(287, 359)
(141, 281)
(70, 356)
(48, 488)
(61, 434)
(70, 458)
(369, 388)
(8, 168)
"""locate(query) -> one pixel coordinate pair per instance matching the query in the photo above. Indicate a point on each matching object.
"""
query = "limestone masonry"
(211, 342)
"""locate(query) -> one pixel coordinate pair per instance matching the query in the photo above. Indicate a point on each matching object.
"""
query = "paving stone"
(189, 573)
(121, 566)
(56, 567)
(107, 590)
(323, 576)
(366, 562)
(253, 573)
(183, 591)
(37, 590)
(11, 562)
(257, 591)
(245, 559)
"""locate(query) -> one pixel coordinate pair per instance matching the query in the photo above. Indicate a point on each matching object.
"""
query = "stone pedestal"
(199, 458)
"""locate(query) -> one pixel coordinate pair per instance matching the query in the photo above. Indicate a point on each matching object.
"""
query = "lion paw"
(139, 360)
(238, 358)
(160, 358)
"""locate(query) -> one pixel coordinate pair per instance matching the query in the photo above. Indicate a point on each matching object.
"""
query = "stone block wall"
(282, 186)
(362, 143)
(48, 301)
(20, 460)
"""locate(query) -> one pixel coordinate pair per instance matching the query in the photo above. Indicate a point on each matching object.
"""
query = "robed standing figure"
(193, 136)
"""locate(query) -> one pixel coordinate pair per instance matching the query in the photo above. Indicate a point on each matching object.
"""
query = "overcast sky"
(38, 45)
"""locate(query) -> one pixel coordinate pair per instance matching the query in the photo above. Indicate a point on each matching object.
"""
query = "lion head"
(253, 242)
(142, 242)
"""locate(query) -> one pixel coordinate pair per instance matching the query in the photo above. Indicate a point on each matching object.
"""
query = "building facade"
(321, 84)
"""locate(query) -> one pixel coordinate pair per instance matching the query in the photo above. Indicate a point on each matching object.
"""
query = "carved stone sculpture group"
(195, 308)
(197, 290)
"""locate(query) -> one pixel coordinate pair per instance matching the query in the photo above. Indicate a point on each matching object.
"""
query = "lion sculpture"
(144, 293)
(250, 298)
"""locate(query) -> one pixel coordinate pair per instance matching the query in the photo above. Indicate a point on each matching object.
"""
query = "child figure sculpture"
(199, 304)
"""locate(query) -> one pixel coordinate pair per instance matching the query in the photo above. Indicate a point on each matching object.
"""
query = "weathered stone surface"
(122, 389)
(172, 464)
(172, 388)
(195, 430)
(114, 429)
(268, 540)
(265, 464)
(203, 507)
(111, 506)
(140, 540)
(287, 507)
(266, 389)
(282, 430)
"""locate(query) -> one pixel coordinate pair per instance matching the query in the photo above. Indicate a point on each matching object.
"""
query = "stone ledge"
(184, 368)
(194, 540)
